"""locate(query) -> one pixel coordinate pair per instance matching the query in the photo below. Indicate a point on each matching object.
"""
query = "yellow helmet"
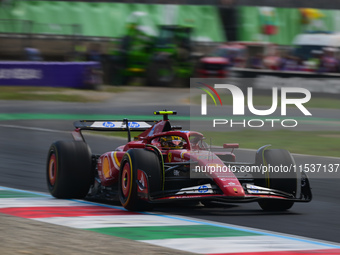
(171, 142)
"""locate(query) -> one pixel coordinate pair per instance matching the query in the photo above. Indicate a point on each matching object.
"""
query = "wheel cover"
(126, 180)
(52, 169)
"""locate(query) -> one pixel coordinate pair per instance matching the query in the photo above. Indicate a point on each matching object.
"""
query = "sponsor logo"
(169, 157)
(134, 125)
(207, 188)
(252, 189)
(203, 189)
(108, 124)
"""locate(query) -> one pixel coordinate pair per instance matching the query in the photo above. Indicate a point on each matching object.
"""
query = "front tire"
(134, 160)
(280, 180)
(69, 169)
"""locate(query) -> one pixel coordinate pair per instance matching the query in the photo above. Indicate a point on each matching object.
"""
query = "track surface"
(24, 145)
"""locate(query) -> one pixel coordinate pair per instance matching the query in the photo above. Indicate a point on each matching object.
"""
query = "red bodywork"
(109, 163)
(171, 172)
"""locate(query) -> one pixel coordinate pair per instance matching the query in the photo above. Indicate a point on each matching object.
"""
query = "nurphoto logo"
(238, 107)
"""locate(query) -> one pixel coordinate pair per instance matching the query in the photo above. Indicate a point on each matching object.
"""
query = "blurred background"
(140, 56)
(118, 45)
(164, 43)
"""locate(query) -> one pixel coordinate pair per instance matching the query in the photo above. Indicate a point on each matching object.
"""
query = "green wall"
(288, 22)
(108, 19)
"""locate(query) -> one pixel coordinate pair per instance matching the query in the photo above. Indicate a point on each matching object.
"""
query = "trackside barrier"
(48, 74)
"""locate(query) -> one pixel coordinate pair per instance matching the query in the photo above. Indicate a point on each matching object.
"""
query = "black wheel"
(69, 169)
(133, 160)
(285, 181)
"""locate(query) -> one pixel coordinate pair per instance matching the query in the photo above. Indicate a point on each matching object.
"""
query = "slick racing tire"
(69, 169)
(134, 160)
(278, 180)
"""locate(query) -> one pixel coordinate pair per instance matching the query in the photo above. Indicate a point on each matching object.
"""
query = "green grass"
(261, 100)
(114, 89)
(54, 94)
(302, 142)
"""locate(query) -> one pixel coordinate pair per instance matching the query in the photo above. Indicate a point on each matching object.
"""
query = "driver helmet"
(171, 142)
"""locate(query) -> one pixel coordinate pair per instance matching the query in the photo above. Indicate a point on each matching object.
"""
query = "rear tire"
(133, 160)
(283, 181)
(69, 169)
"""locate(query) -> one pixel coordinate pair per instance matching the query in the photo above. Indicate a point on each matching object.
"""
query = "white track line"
(308, 241)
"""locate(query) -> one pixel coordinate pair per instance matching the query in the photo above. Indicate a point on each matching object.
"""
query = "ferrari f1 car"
(165, 164)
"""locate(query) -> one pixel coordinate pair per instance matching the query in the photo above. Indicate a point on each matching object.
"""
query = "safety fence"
(50, 74)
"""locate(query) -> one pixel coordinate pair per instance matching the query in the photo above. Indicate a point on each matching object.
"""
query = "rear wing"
(111, 125)
(114, 125)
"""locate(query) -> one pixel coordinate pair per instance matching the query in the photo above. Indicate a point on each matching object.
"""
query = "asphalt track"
(24, 145)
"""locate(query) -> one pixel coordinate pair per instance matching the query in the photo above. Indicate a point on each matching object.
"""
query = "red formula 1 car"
(165, 164)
